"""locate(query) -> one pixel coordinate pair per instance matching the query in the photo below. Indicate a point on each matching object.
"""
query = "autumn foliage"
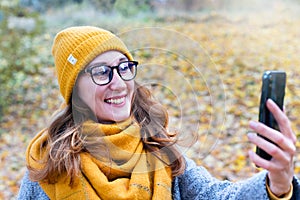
(205, 67)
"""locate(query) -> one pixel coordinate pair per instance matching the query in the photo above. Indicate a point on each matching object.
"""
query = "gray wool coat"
(194, 183)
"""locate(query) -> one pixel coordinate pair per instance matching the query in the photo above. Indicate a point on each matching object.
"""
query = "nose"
(117, 83)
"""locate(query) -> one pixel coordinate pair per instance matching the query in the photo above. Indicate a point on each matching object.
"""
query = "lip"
(116, 100)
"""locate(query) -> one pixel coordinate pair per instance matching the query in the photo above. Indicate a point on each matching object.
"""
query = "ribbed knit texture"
(132, 172)
(195, 183)
(75, 47)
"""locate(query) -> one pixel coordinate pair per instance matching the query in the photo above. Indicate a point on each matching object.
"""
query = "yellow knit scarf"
(131, 173)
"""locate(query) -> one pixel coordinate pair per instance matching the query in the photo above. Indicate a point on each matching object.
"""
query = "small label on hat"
(72, 59)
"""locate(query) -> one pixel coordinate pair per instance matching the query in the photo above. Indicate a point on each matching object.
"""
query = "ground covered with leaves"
(206, 69)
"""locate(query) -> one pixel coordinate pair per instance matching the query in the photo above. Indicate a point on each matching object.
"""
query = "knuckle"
(274, 151)
(281, 167)
(268, 167)
(280, 139)
(285, 161)
(293, 150)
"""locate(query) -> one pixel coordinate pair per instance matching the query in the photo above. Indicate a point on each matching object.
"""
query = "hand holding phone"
(273, 87)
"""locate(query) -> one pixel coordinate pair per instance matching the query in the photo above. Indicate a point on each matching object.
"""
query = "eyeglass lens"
(103, 74)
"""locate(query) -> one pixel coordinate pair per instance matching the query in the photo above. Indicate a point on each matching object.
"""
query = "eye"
(123, 67)
(100, 71)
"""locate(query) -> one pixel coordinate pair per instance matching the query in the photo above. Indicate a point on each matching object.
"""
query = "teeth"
(116, 101)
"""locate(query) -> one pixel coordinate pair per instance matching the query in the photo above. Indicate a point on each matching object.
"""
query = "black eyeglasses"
(103, 74)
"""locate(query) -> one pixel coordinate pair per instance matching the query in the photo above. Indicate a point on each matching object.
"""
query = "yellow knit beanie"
(75, 47)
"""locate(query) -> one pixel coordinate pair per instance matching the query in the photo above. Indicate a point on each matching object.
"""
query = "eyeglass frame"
(89, 70)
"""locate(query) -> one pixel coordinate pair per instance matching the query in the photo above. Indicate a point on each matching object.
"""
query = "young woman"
(110, 141)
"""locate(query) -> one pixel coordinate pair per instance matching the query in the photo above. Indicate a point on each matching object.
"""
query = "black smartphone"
(273, 87)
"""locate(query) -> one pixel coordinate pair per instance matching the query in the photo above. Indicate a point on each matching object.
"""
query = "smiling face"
(111, 102)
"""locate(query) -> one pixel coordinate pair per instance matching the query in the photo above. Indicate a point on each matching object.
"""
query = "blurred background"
(203, 59)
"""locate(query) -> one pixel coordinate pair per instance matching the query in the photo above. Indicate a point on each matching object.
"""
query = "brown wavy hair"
(65, 142)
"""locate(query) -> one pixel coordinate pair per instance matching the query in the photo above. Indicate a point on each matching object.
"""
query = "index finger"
(282, 120)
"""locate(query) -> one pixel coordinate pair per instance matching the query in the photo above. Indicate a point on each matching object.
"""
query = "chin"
(113, 119)
(121, 118)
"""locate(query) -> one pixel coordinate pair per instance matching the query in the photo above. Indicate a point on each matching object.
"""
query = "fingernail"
(253, 124)
(250, 153)
(270, 101)
(251, 135)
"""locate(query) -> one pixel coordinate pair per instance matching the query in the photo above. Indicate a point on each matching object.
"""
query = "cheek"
(130, 87)
(86, 92)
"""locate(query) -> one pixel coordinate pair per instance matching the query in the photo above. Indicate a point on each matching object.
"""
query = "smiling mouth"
(115, 101)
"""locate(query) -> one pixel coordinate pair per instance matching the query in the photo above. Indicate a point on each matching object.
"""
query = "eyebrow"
(104, 63)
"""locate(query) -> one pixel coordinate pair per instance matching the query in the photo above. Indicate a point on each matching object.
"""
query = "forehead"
(109, 58)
